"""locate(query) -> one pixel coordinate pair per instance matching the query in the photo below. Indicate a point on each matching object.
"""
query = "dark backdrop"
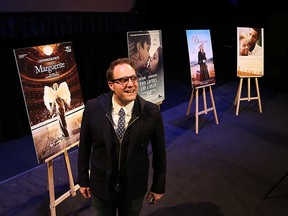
(100, 37)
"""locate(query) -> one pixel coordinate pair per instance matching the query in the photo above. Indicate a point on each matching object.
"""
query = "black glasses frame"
(124, 80)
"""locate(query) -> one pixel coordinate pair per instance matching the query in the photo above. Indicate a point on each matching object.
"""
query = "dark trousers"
(124, 208)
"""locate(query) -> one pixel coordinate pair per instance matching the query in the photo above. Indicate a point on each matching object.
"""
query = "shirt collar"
(128, 108)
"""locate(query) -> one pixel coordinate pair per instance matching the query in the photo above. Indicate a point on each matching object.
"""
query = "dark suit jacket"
(95, 146)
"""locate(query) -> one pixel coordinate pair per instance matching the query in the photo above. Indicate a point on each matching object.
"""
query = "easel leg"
(196, 113)
(204, 101)
(213, 105)
(70, 177)
(51, 188)
(249, 89)
(248, 98)
(258, 95)
(239, 95)
(205, 109)
(190, 103)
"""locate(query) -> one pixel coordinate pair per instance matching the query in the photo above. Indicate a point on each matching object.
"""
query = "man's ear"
(138, 46)
(111, 86)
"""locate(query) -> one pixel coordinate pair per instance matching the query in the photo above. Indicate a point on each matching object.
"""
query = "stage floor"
(224, 170)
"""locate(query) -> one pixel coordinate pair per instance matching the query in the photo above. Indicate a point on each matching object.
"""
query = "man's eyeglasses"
(124, 80)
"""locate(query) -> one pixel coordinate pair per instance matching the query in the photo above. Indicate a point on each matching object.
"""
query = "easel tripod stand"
(206, 109)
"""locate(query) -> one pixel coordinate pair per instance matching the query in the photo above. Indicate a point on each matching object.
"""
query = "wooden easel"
(205, 110)
(238, 97)
(73, 188)
(159, 103)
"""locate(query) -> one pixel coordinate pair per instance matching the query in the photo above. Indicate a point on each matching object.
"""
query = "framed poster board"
(200, 58)
(146, 50)
(250, 52)
(53, 97)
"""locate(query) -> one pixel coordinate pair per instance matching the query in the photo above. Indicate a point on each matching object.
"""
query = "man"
(119, 167)
(254, 35)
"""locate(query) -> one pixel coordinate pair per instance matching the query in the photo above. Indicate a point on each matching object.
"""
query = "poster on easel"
(146, 50)
(250, 52)
(53, 98)
(200, 58)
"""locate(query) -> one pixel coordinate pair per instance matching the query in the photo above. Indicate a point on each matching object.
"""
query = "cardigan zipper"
(117, 187)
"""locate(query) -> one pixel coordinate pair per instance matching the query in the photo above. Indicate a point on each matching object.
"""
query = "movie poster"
(250, 52)
(200, 57)
(52, 93)
(146, 50)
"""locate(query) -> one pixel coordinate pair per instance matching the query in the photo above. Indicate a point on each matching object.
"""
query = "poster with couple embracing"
(146, 50)
(250, 52)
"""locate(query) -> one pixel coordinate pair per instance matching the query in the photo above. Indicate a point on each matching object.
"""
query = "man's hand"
(153, 198)
(85, 191)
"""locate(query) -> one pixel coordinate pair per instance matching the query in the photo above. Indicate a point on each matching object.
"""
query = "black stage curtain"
(97, 38)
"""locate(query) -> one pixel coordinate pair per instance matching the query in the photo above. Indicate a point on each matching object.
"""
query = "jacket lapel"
(136, 125)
